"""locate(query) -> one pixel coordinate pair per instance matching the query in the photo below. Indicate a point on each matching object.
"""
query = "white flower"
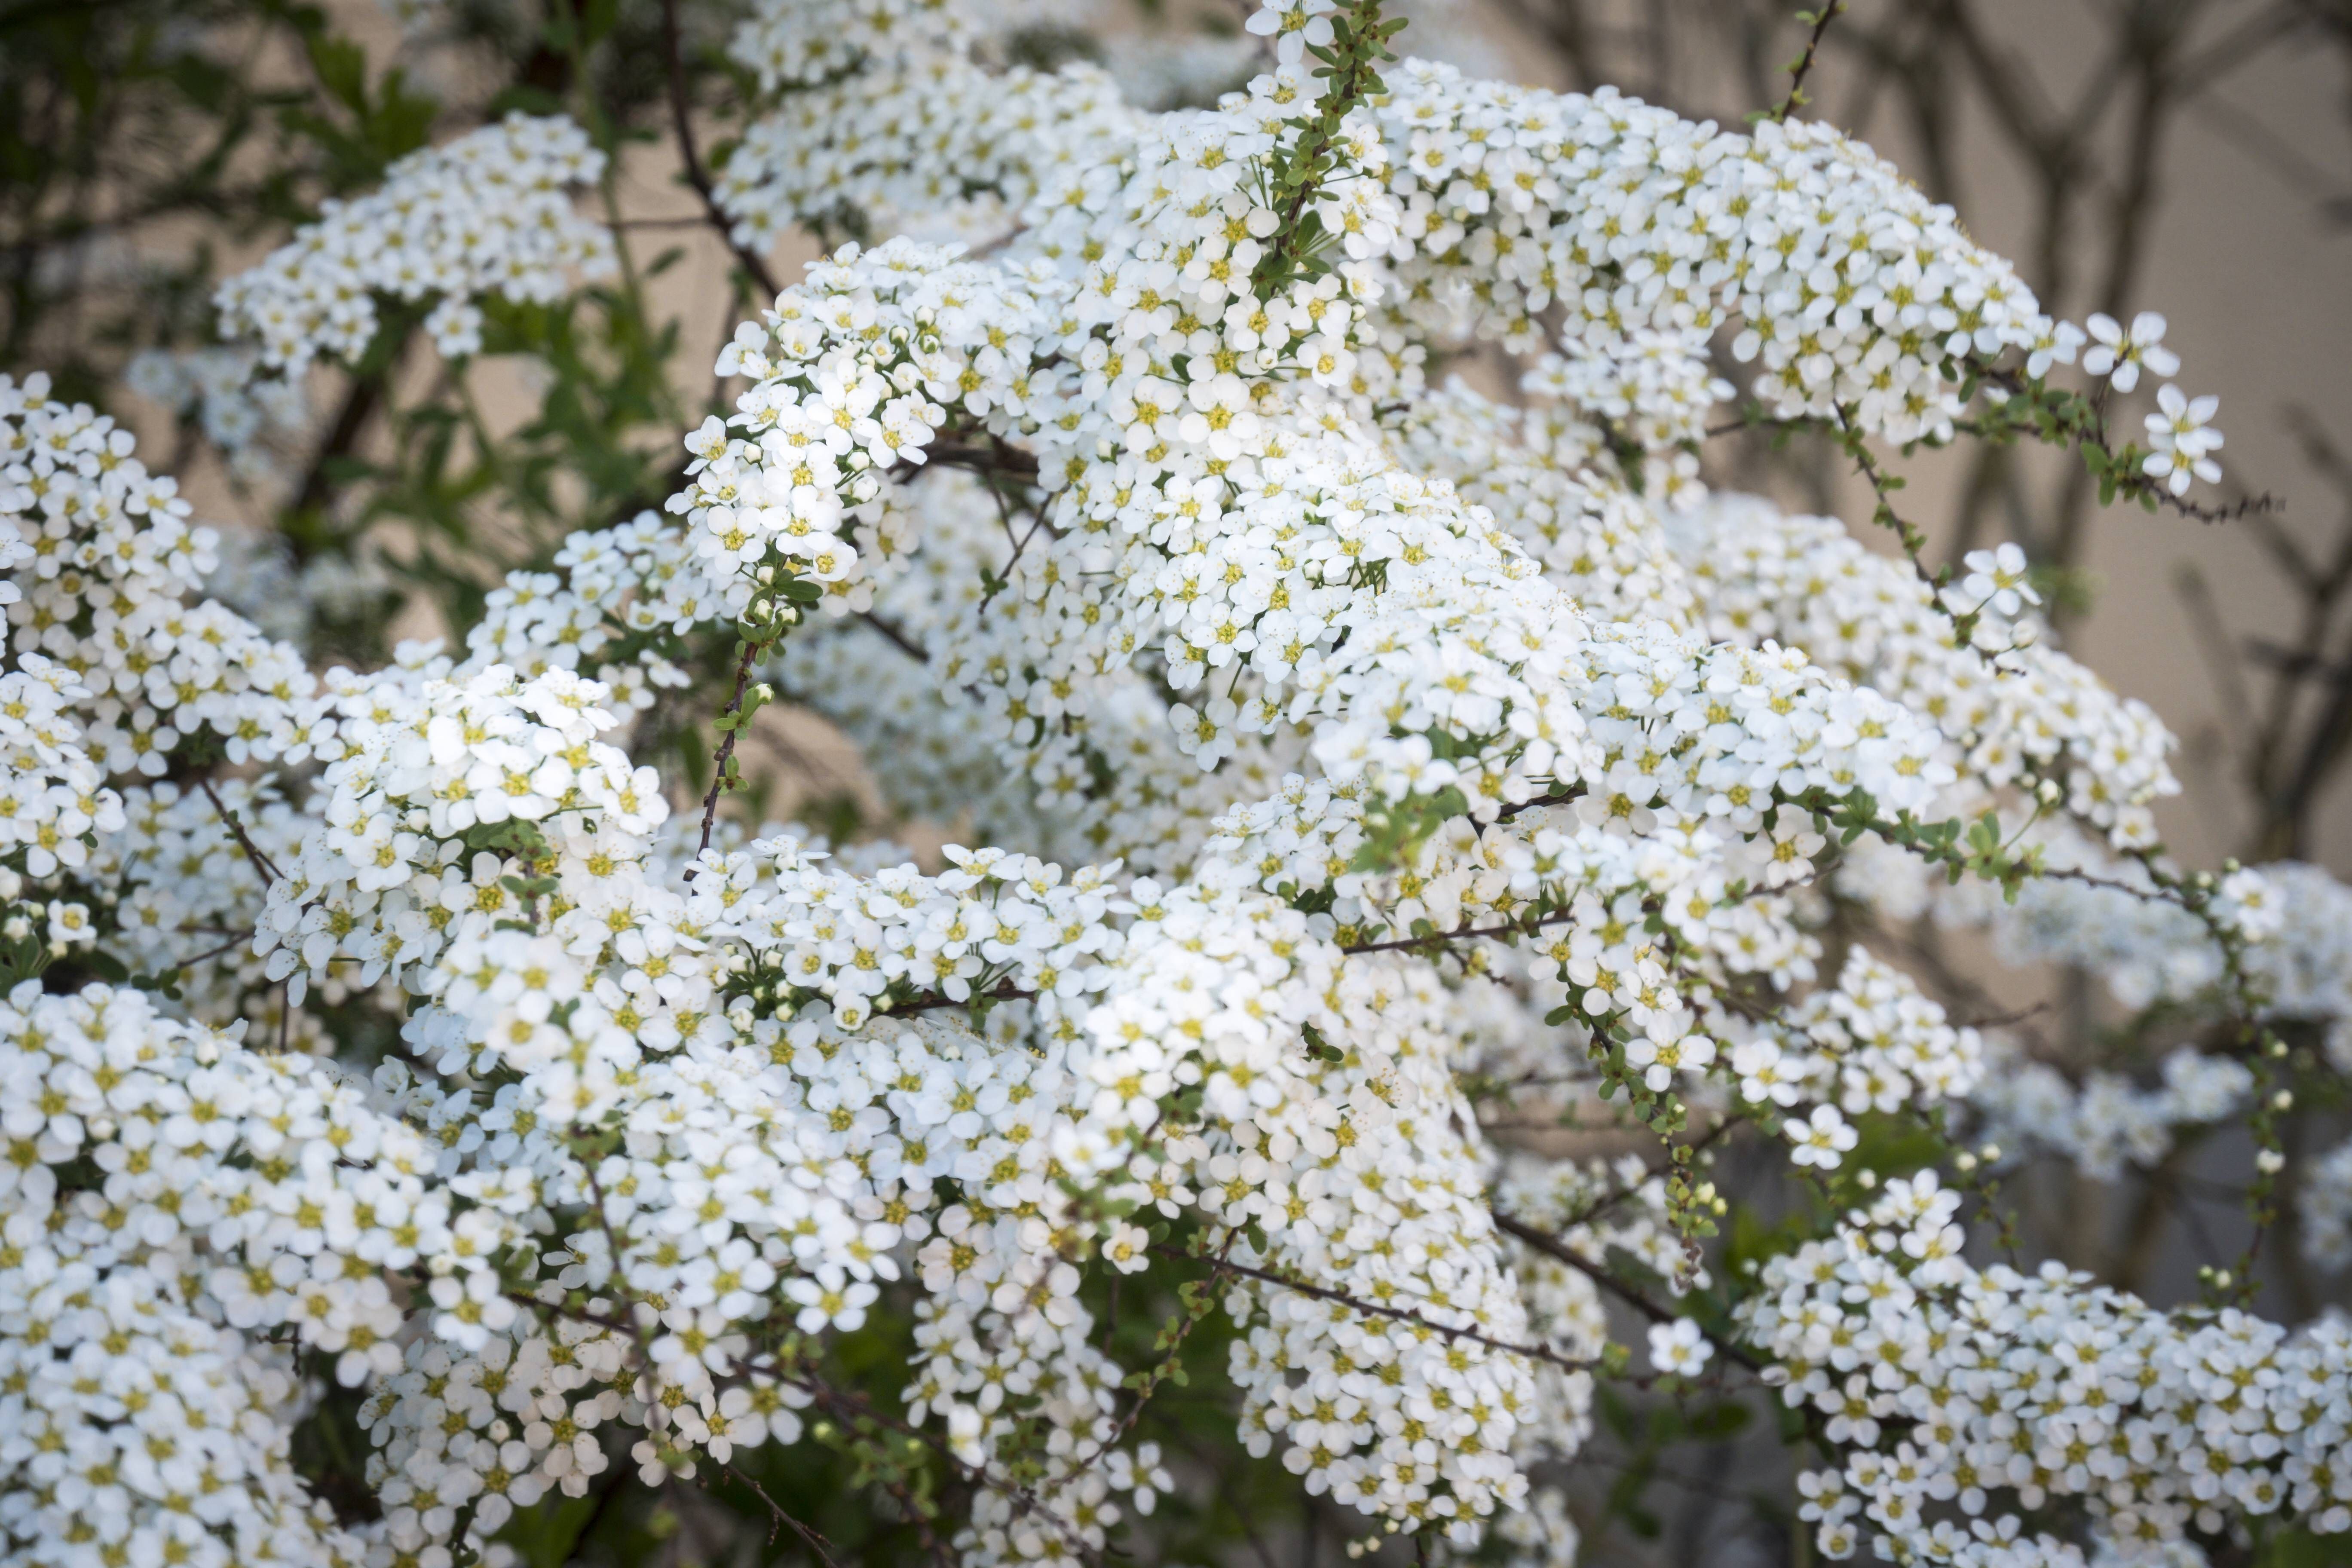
(1678, 1348)
(2118, 356)
(1293, 25)
(1821, 1138)
(1998, 577)
(2181, 433)
(830, 1300)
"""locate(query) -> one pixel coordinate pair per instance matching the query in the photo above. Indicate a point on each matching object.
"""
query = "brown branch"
(996, 457)
(777, 1516)
(681, 110)
(1461, 933)
(2009, 1019)
(2201, 511)
(1354, 1304)
(262, 865)
(2283, 782)
(2202, 72)
(2213, 641)
(928, 1000)
(1558, 797)
(931, 1001)
(1802, 66)
(359, 404)
(894, 637)
(1551, 1246)
(725, 747)
(209, 954)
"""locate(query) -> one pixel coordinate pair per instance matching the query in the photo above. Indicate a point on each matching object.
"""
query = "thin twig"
(1462, 933)
(1168, 1364)
(1803, 65)
(2237, 510)
(1602, 1204)
(1355, 1304)
(932, 1001)
(681, 110)
(1558, 797)
(1551, 1246)
(2213, 641)
(211, 953)
(933, 1547)
(894, 637)
(262, 865)
(997, 458)
(1914, 540)
(2009, 1019)
(726, 748)
(809, 1536)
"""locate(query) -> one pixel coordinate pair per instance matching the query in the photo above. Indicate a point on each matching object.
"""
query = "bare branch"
(1375, 1309)
(1802, 66)
(681, 108)
(809, 1536)
(262, 865)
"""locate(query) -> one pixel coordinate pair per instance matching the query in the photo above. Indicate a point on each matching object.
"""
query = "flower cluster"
(935, 145)
(801, 45)
(487, 216)
(1995, 1391)
(1385, 1202)
(55, 798)
(171, 1197)
(852, 370)
(1422, 761)
(1872, 1042)
(2039, 715)
(617, 598)
(101, 561)
(929, 675)
(1549, 480)
(219, 388)
(432, 796)
(1850, 288)
(2107, 1121)
(1332, 1162)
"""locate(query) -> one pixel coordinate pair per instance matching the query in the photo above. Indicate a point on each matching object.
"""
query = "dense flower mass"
(235, 1193)
(1376, 781)
(1940, 1383)
(490, 214)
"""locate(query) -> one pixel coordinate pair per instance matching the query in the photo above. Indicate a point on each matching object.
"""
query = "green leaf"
(341, 68)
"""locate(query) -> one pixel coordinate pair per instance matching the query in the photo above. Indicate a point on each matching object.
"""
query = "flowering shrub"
(436, 1123)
